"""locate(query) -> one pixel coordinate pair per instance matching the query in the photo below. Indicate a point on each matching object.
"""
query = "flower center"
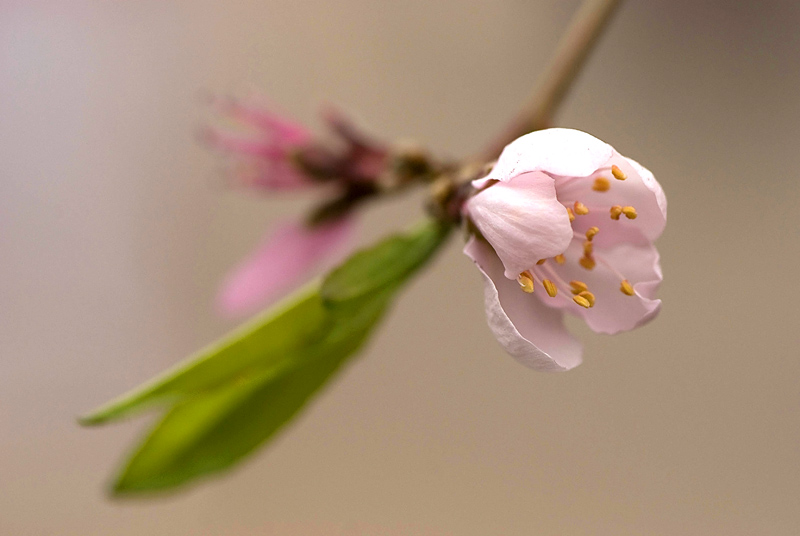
(548, 277)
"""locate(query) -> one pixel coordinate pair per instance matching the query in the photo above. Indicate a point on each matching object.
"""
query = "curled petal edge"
(652, 184)
(555, 151)
(517, 319)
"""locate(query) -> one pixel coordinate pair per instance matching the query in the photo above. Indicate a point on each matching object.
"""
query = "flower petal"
(262, 153)
(651, 183)
(529, 331)
(556, 151)
(523, 220)
(283, 260)
(255, 112)
(613, 311)
(240, 144)
(268, 175)
(640, 190)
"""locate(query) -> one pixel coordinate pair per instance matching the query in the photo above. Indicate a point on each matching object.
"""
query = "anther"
(629, 212)
(591, 231)
(626, 288)
(616, 210)
(571, 215)
(587, 262)
(578, 287)
(560, 259)
(550, 287)
(525, 280)
(581, 209)
(583, 302)
(540, 262)
(618, 173)
(601, 184)
(588, 296)
(588, 248)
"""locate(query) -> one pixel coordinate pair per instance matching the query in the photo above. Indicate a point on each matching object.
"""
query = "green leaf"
(210, 433)
(388, 263)
(265, 343)
(236, 394)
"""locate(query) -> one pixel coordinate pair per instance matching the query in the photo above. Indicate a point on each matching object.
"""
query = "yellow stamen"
(587, 262)
(581, 209)
(588, 248)
(588, 296)
(591, 232)
(601, 184)
(571, 215)
(616, 210)
(525, 280)
(626, 288)
(560, 259)
(550, 287)
(618, 173)
(583, 302)
(540, 262)
(629, 212)
(578, 287)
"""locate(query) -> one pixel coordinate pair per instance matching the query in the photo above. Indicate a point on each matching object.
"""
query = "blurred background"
(116, 226)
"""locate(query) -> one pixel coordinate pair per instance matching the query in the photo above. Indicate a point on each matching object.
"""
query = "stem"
(554, 83)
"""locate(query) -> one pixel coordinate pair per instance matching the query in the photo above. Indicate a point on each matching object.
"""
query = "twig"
(554, 83)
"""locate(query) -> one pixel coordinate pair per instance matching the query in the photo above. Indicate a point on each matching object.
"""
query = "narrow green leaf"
(387, 263)
(209, 433)
(267, 342)
(236, 394)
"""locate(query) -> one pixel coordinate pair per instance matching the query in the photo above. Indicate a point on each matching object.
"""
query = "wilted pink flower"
(569, 220)
(264, 151)
(284, 259)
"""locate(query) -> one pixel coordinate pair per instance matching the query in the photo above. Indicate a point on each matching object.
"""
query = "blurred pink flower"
(566, 218)
(284, 259)
(266, 150)
(263, 156)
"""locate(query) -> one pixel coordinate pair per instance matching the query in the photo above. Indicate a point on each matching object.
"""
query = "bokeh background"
(116, 226)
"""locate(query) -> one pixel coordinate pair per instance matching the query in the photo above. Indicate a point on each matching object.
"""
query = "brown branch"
(554, 83)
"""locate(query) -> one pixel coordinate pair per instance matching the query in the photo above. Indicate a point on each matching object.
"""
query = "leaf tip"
(125, 487)
(119, 489)
(90, 419)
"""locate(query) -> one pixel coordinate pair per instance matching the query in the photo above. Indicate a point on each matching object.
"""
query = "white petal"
(522, 220)
(652, 184)
(556, 151)
(640, 190)
(614, 312)
(518, 319)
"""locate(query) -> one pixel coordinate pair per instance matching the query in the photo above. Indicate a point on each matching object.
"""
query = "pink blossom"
(262, 147)
(285, 258)
(564, 217)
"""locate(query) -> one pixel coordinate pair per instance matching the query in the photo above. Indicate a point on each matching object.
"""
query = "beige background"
(115, 228)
